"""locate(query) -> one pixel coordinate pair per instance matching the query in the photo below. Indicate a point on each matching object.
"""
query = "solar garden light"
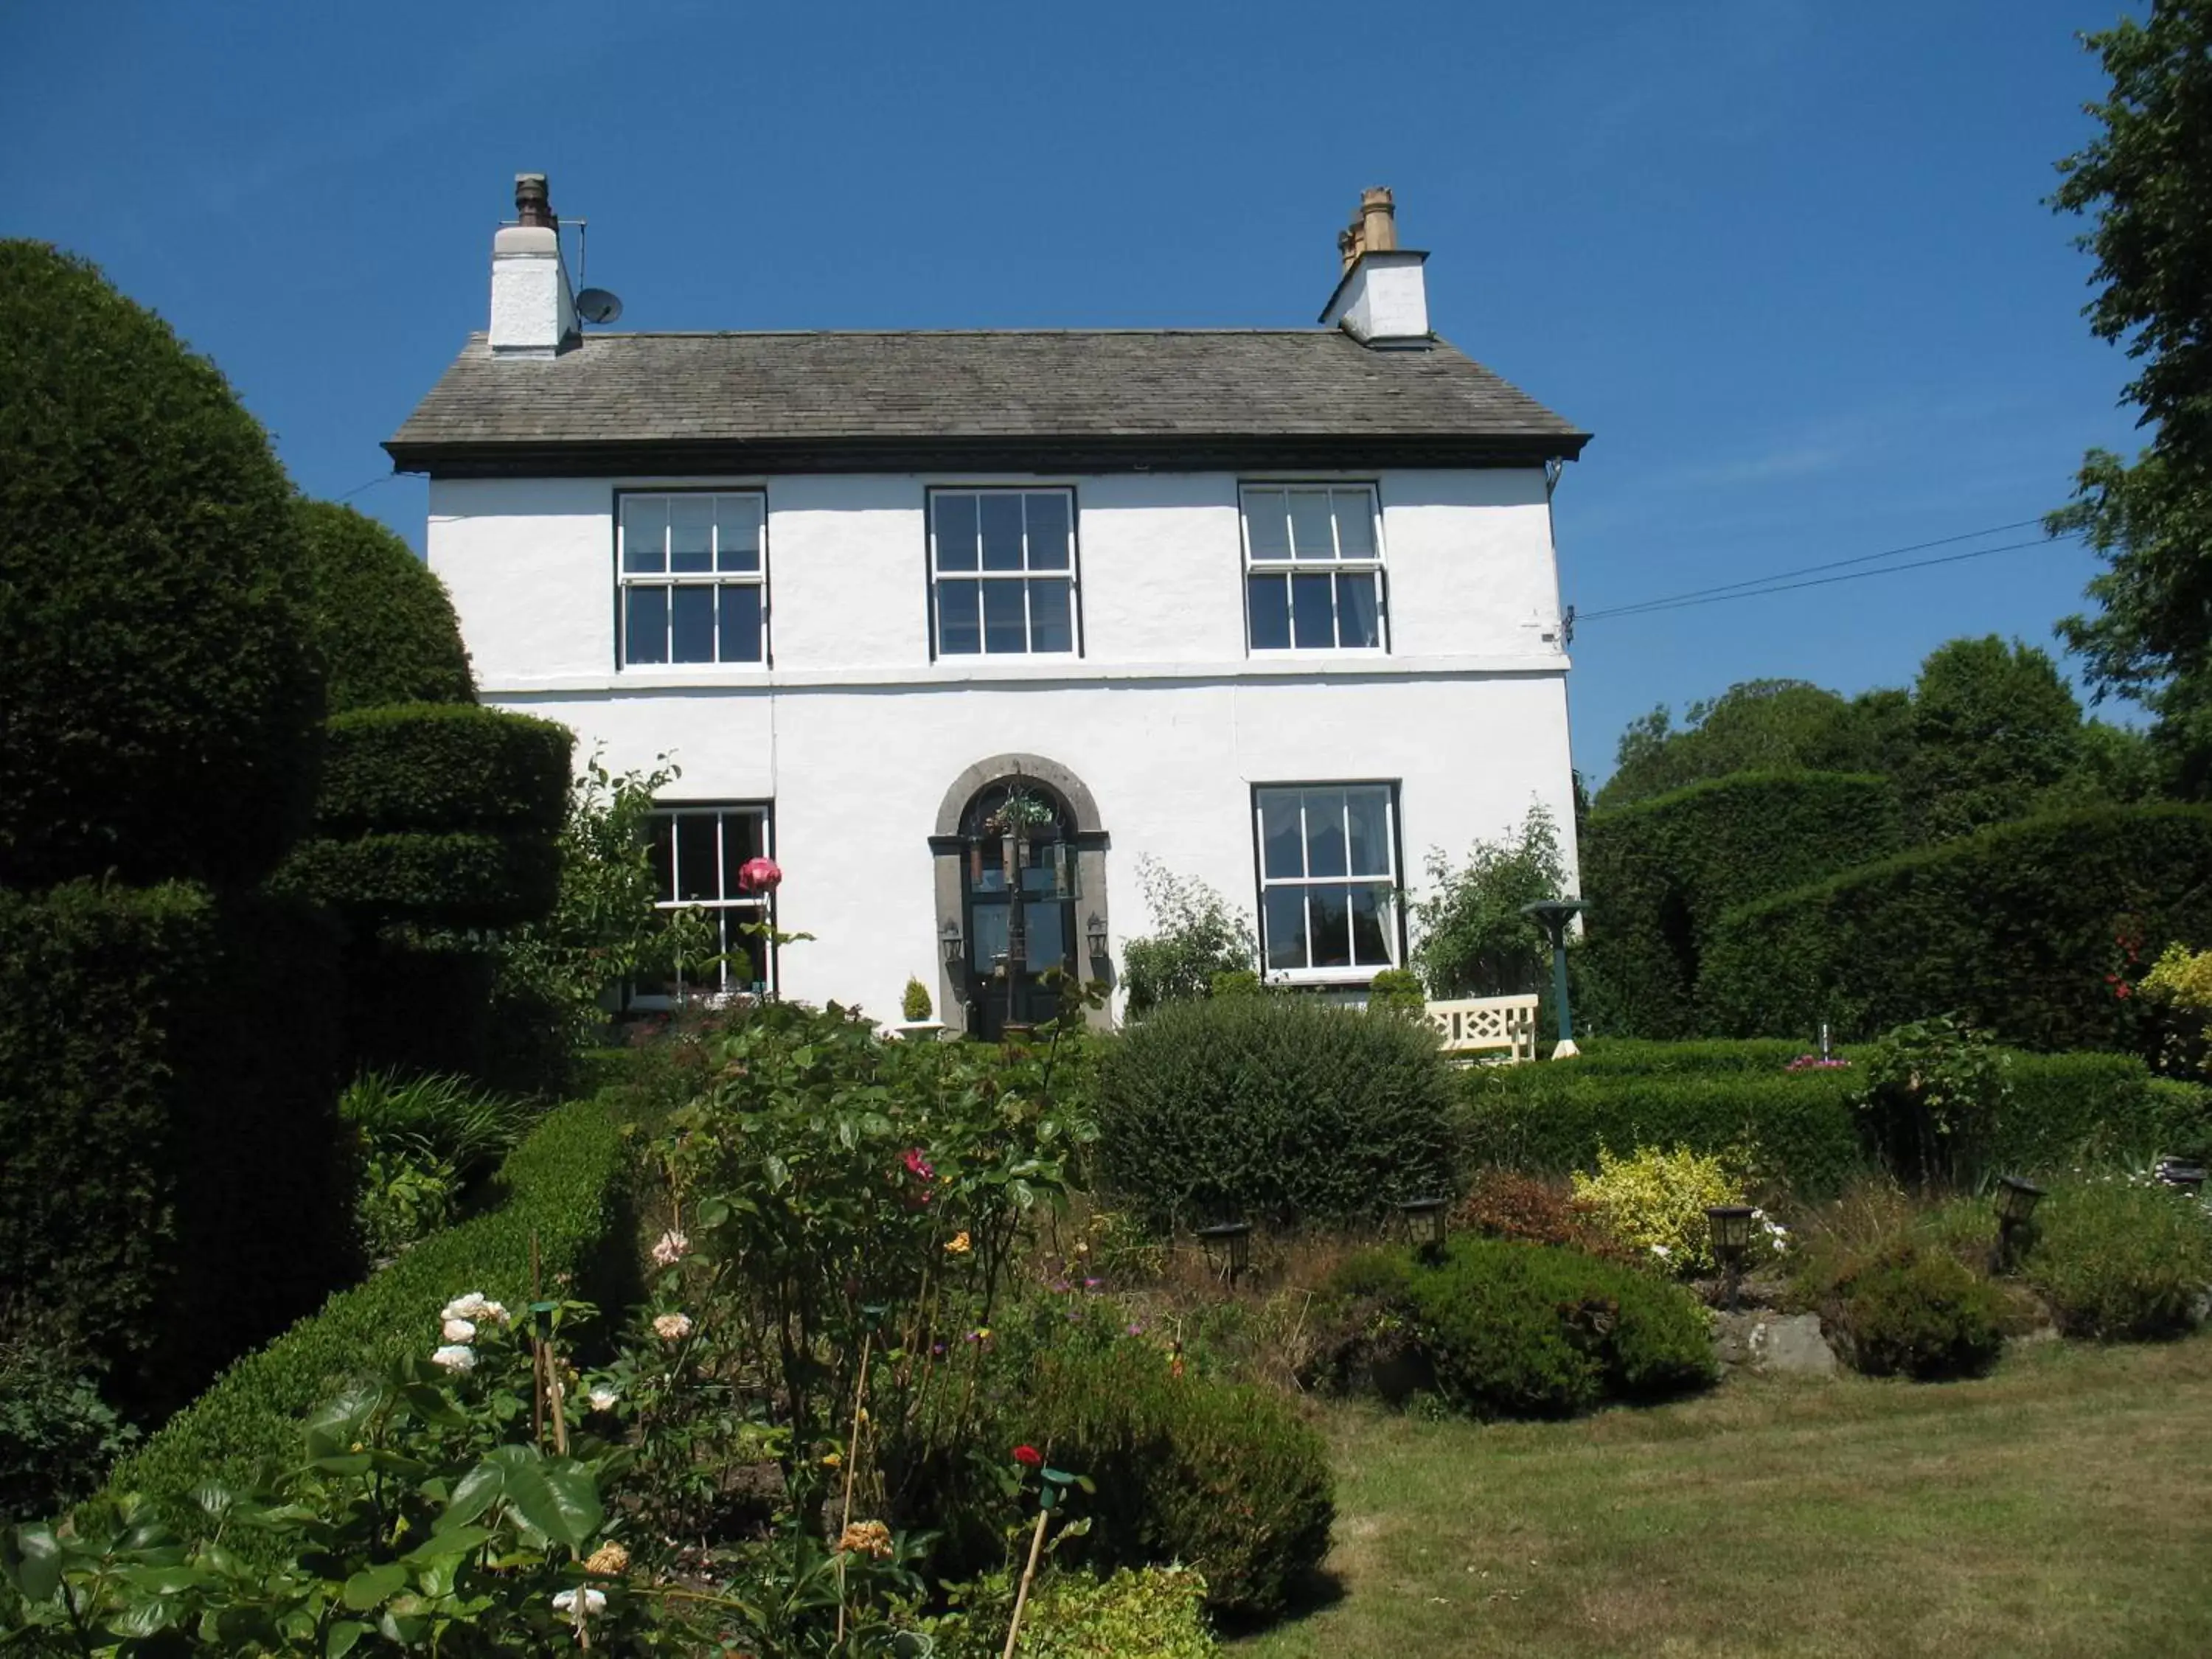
(1228, 1248)
(1552, 916)
(2187, 1178)
(1426, 1224)
(2016, 1202)
(1731, 1225)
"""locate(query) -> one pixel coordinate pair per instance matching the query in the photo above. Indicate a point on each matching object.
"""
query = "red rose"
(1027, 1456)
(759, 876)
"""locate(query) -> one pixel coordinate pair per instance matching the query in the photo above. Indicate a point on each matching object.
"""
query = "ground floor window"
(697, 852)
(1328, 878)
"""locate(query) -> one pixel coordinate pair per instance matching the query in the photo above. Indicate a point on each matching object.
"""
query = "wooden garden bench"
(1473, 1024)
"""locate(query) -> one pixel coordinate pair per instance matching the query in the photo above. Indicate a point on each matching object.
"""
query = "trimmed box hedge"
(441, 768)
(1659, 875)
(563, 1186)
(2011, 928)
(443, 881)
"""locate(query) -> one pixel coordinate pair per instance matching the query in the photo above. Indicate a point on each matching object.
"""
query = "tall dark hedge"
(1660, 874)
(1277, 1108)
(159, 698)
(444, 767)
(382, 622)
(2011, 928)
(170, 1185)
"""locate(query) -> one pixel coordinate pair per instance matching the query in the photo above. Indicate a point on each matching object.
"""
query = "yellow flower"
(866, 1538)
(830, 1459)
(608, 1561)
(958, 1245)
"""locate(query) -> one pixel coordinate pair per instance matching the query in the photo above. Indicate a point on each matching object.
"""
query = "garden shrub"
(56, 1435)
(1197, 935)
(158, 711)
(1504, 1329)
(1929, 1096)
(1917, 1310)
(1473, 939)
(1655, 1201)
(2010, 928)
(381, 621)
(442, 768)
(460, 880)
(159, 1138)
(1692, 1057)
(1531, 1209)
(1660, 874)
(2179, 987)
(2122, 1259)
(563, 1195)
(1281, 1107)
(1158, 1611)
(1396, 990)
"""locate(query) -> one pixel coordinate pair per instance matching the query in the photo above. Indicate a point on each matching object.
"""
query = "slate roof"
(892, 400)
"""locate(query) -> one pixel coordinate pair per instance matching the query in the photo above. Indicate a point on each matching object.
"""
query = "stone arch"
(1050, 773)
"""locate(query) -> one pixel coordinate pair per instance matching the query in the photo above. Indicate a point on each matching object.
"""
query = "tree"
(1758, 725)
(1474, 940)
(1197, 936)
(382, 623)
(2146, 182)
(158, 708)
(1995, 727)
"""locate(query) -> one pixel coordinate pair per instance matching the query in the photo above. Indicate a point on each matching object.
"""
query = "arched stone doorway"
(1062, 881)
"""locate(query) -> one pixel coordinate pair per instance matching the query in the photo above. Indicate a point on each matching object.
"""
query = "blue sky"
(1789, 261)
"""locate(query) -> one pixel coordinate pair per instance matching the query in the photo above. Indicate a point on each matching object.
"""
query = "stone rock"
(1773, 1344)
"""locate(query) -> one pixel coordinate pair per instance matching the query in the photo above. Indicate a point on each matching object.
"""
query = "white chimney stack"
(533, 314)
(1382, 299)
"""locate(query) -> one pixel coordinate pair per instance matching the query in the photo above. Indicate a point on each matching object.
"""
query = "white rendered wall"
(855, 735)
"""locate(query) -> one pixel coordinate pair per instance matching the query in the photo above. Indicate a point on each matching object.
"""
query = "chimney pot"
(1378, 217)
(534, 202)
(534, 311)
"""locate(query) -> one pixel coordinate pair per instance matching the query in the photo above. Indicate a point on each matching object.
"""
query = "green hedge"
(442, 767)
(445, 880)
(1660, 874)
(171, 1185)
(2011, 928)
(562, 1186)
(383, 622)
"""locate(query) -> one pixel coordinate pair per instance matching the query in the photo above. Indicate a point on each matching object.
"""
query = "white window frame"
(729, 908)
(667, 579)
(1071, 574)
(1334, 564)
(1392, 883)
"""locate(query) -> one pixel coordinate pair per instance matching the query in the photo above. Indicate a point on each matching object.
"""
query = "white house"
(1275, 607)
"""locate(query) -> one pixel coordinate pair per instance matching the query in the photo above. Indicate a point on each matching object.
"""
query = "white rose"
(458, 1330)
(594, 1602)
(455, 1358)
(602, 1400)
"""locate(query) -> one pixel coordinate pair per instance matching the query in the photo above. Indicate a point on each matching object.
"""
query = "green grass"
(2056, 1508)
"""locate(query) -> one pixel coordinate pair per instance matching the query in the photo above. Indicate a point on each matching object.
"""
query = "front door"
(1006, 992)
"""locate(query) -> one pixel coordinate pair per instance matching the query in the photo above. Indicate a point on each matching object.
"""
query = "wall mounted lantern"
(950, 944)
(1731, 1225)
(1094, 934)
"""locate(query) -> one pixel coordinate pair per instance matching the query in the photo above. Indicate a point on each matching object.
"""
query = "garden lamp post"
(1426, 1224)
(1228, 1247)
(1731, 1225)
(2016, 1202)
(1552, 915)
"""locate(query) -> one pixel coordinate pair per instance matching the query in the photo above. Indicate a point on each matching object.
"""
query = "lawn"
(2058, 1507)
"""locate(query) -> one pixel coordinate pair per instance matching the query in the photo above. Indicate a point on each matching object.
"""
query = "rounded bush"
(158, 710)
(1917, 1310)
(1281, 1108)
(454, 881)
(2121, 1260)
(443, 768)
(383, 623)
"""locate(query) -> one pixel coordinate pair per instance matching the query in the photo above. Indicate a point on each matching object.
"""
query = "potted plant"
(915, 1006)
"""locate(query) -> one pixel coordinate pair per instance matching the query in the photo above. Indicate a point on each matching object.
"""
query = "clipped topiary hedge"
(159, 702)
(1279, 1108)
(448, 880)
(1661, 873)
(172, 1189)
(382, 622)
(442, 768)
(2010, 928)
(563, 1190)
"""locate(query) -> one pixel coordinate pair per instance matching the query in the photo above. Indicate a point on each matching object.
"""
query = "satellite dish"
(598, 305)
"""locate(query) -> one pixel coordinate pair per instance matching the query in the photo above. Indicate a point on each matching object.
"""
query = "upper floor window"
(697, 852)
(1002, 572)
(694, 577)
(1313, 567)
(1328, 878)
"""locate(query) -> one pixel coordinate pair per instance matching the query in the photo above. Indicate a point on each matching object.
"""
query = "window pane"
(1356, 613)
(1047, 940)
(691, 532)
(692, 612)
(1285, 921)
(737, 532)
(1369, 811)
(645, 533)
(1048, 531)
(1332, 926)
(741, 623)
(956, 531)
(1004, 627)
(1269, 597)
(664, 858)
(1325, 832)
(1355, 524)
(959, 633)
(740, 841)
(645, 630)
(1314, 624)
(1282, 849)
(987, 937)
(1000, 514)
(1311, 535)
(1051, 627)
(1265, 525)
(1370, 946)
(698, 863)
